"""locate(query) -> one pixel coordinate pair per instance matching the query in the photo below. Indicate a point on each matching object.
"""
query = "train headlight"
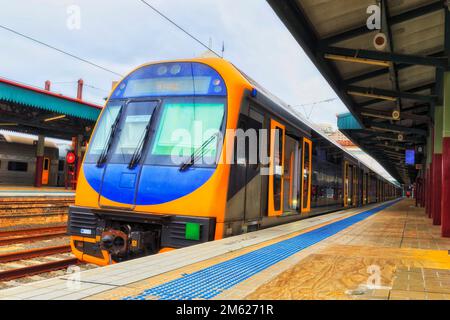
(162, 70)
(176, 69)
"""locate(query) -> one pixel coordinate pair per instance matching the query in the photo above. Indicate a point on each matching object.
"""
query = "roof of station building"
(32, 110)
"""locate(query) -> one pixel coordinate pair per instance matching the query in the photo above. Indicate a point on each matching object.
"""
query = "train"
(18, 161)
(191, 151)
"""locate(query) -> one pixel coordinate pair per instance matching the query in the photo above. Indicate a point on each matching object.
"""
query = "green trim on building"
(51, 103)
(446, 111)
(429, 149)
(438, 129)
(347, 121)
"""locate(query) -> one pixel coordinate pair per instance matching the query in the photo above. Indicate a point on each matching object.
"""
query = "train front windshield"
(169, 111)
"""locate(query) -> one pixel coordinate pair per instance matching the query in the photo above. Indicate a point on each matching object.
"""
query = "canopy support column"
(437, 166)
(445, 204)
(40, 151)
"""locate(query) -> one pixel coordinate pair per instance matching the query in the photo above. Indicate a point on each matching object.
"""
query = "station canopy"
(34, 111)
(389, 92)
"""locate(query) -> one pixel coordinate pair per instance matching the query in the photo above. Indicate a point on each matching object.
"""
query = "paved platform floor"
(393, 254)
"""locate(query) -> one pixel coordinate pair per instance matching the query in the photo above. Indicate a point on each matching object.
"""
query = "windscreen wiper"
(197, 154)
(102, 158)
(137, 155)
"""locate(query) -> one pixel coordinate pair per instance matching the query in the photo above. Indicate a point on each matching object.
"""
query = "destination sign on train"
(175, 85)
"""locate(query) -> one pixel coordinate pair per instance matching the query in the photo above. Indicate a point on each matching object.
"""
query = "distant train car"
(134, 199)
(18, 161)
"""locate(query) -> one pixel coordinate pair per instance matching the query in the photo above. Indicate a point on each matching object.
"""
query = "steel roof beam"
(438, 62)
(430, 86)
(393, 94)
(392, 136)
(373, 74)
(380, 72)
(396, 128)
(409, 15)
(403, 115)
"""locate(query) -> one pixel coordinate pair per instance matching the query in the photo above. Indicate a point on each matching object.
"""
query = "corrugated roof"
(25, 95)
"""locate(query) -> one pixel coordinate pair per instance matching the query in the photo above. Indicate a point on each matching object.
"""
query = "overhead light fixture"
(396, 115)
(55, 118)
(371, 95)
(372, 62)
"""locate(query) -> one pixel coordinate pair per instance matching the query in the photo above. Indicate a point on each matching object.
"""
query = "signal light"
(70, 158)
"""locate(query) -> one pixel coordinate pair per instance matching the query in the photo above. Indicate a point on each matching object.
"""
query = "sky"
(123, 34)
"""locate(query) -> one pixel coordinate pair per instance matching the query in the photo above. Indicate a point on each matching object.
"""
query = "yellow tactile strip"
(138, 287)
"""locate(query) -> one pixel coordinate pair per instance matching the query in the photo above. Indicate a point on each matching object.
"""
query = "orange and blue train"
(134, 200)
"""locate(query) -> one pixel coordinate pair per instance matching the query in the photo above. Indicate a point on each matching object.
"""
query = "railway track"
(28, 271)
(33, 253)
(27, 263)
(30, 235)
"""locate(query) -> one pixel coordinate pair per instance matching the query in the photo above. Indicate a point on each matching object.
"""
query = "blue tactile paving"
(212, 281)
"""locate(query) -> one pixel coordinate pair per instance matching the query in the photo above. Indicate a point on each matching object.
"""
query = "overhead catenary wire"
(312, 105)
(61, 51)
(179, 27)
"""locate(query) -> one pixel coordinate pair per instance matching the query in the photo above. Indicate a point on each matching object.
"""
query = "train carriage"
(135, 198)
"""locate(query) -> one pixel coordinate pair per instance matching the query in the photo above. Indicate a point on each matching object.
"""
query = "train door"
(346, 184)
(355, 187)
(363, 187)
(276, 174)
(245, 183)
(253, 177)
(45, 171)
(292, 175)
(307, 175)
(366, 188)
(350, 185)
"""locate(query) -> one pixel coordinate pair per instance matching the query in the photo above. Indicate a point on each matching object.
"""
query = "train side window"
(17, 166)
(46, 163)
(307, 170)
(276, 176)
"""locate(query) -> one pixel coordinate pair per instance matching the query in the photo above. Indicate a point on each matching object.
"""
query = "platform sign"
(410, 157)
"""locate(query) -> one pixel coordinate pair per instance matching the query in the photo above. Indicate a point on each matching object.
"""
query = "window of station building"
(61, 165)
(17, 166)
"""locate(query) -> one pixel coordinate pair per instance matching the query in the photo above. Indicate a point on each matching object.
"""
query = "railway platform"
(387, 251)
(28, 191)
